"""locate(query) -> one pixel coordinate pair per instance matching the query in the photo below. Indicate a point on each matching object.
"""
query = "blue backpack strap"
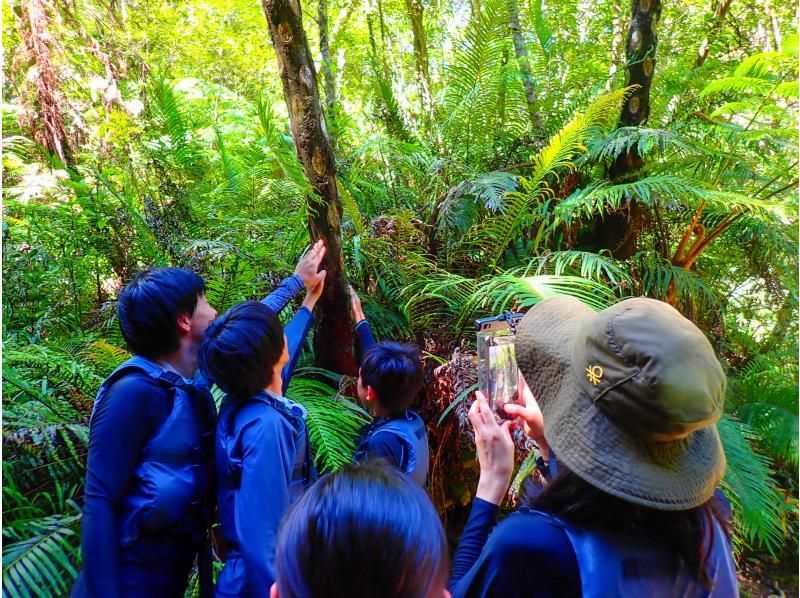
(139, 364)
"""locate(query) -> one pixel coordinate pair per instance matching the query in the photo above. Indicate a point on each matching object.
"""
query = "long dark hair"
(682, 533)
(366, 530)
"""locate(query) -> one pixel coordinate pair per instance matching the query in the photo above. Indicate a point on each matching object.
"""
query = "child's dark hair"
(241, 349)
(366, 530)
(394, 371)
(148, 308)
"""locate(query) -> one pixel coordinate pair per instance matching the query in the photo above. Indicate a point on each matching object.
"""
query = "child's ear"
(371, 394)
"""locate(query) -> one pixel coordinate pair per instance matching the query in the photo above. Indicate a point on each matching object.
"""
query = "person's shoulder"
(529, 531)
(258, 415)
(138, 385)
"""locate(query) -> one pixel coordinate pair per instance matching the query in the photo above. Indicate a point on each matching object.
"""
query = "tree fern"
(488, 241)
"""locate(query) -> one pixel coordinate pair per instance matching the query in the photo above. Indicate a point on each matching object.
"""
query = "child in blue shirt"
(389, 380)
(262, 448)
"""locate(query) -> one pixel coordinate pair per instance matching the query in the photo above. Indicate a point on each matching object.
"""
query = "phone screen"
(498, 376)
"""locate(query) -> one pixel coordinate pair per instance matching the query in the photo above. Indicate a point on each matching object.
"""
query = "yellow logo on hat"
(594, 373)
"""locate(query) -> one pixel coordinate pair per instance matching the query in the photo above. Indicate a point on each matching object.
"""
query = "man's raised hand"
(308, 267)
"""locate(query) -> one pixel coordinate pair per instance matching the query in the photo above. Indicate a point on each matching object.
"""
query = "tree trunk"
(334, 337)
(705, 45)
(325, 51)
(45, 118)
(521, 53)
(621, 229)
(416, 14)
(773, 21)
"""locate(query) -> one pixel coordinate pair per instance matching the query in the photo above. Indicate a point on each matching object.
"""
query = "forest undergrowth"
(472, 158)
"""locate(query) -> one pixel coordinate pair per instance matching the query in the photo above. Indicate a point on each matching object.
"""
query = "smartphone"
(498, 376)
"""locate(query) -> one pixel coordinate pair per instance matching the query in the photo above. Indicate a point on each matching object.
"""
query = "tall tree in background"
(621, 229)
(521, 53)
(334, 338)
(716, 24)
(416, 13)
(325, 52)
(45, 116)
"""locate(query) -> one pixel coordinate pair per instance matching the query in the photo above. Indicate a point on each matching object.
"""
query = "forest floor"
(761, 576)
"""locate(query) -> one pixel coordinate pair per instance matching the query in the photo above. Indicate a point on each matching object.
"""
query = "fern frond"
(592, 266)
(758, 506)
(333, 421)
(491, 238)
(41, 555)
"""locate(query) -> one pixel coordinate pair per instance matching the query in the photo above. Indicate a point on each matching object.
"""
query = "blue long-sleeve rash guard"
(387, 447)
(526, 554)
(132, 411)
(268, 449)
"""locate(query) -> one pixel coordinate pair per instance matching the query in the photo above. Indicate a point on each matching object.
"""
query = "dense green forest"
(460, 158)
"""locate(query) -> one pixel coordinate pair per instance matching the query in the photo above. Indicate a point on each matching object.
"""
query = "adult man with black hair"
(150, 465)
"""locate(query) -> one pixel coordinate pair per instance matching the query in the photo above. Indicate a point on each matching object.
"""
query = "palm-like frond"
(105, 356)
(176, 147)
(585, 264)
(457, 299)
(333, 421)
(643, 140)
(764, 396)
(484, 99)
(602, 197)
(758, 506)
(657, 276)
(41, 556)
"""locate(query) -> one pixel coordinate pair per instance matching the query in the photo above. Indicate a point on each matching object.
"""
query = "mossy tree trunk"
(416, 13)
(521, 53)
(334, 336)
(620, 230)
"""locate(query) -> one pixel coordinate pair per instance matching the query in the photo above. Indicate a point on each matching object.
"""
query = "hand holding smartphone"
(498, 375)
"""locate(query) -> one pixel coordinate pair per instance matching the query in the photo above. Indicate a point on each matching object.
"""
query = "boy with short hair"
(263, 460)
(389, 380)
(150, 465)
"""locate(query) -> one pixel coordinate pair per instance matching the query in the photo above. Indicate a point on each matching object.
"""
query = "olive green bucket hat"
(629, 396)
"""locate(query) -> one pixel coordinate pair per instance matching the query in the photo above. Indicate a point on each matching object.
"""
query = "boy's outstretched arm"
(297, 329)
(305, 275)
(363, 331)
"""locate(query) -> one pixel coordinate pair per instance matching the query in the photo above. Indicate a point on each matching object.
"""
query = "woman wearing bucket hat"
(626, 402)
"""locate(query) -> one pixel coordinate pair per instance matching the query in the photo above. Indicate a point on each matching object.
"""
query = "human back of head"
(242, 349)
(149, 307)
(366, 530)
(394, 371)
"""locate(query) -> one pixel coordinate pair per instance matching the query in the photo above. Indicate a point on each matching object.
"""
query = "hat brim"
(587, 442)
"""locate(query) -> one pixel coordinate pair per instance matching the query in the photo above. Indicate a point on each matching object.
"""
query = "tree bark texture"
(416, 13)
(45, 118)
(621, 230)
(334, 337)
(325, 51)
(521, 53)
(705, 45)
